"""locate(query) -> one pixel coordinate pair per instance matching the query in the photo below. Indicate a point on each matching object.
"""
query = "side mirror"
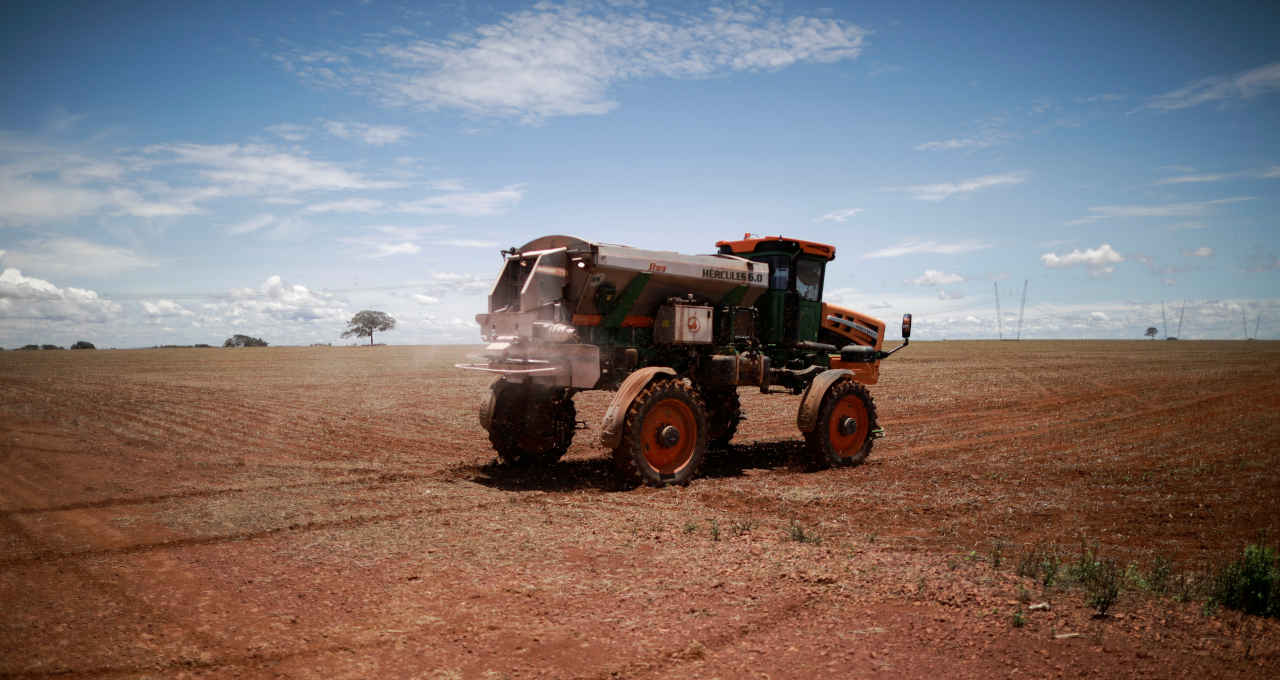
(906, 326)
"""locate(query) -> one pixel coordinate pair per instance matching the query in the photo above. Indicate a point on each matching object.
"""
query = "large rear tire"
(846, 420)
(531, 424)
(664, 439)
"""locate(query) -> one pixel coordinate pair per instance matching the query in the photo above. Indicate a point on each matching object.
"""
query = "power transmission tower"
(1165, 318)
(1256, 324)
(1180, 313)
(1023, 307)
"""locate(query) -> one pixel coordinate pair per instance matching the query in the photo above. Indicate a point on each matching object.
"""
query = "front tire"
(531, 424)
(846, 419)
(664, 439)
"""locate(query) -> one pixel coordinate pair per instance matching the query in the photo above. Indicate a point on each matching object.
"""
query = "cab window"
(809, 279)
(779, 271)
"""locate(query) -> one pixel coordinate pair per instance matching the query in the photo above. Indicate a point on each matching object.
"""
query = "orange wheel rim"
(849, 406)
(668, 450)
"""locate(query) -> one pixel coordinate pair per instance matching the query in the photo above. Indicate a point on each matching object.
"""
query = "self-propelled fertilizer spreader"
(676, 336)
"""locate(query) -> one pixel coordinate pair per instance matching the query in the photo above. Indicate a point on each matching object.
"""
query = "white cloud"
(465, 284)
(949, 294)
(289, 131)
(68, 255)
(474, 204)
(426, 299)
(956, 143)
(933, 277)
(165, 308)
(1243, 85)
(1269, 173)
(839, 215)
(1099, 261)
(376, 135)
(252, 224)
(555, 60)
(253, 169)
(376, 248)
(350, 205)
(411, 233)
(278, 300)
(1099, 316)
(942, 191)
(466, 243)
(1202, 251)
(1190, 209)
(1188, 179)
(30, 298)
(446, 184)
(388, 249)
(914, 247)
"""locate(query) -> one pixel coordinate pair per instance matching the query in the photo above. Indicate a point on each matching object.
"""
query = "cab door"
(807, 289)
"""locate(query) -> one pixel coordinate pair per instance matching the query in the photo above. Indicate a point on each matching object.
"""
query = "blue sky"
(173, 175)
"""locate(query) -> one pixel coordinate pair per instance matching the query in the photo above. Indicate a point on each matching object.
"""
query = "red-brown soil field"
(337, 513)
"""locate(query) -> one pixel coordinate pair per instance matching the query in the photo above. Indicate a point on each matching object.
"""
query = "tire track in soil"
(211, 493)
(296, 528)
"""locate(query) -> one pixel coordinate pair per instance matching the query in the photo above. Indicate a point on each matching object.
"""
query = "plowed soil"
(337, 513)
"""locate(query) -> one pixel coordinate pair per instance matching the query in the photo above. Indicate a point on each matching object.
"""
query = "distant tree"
(83, 344)
(50, 347)
(367, 321)
(1151, 332)
(31, 347)
(238, 340)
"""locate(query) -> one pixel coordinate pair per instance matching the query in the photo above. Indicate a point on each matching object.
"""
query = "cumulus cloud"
(1202, 251)
(915, 247)
(557, 60)
(945, 190)
(165, 308)
(277, 299)
(1099, 261)
(426, 299)
(27, 297)
(933, 277)
(949, 294)
(1244, 85)
(839, 215)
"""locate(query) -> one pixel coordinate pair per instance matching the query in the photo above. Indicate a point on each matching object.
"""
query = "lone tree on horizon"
(1151, 332)
(366, 321)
